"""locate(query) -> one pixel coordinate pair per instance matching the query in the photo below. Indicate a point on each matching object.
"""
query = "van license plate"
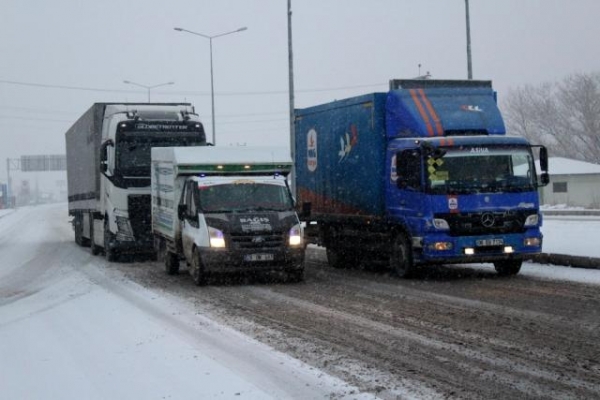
(490, 242)
(259, 257)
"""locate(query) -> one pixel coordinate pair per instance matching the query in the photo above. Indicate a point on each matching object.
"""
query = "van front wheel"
(197, 269)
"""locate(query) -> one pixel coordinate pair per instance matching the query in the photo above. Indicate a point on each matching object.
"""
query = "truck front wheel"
(508, 267)
(109, 252)
(94, 248)
(197, 269)
(401, 259)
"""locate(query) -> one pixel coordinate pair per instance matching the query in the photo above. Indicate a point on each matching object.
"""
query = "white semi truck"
(108, 170)
(225, 210)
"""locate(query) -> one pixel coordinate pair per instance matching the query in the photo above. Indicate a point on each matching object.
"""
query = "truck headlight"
(441, 224)
(532, 220)
(295, 235)
(217, 239)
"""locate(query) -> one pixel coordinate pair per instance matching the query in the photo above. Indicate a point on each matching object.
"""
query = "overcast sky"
(58, 57)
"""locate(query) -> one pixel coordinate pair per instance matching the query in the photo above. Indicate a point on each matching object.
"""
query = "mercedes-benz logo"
(487, 219)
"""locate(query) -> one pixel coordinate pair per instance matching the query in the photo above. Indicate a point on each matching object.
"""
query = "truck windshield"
(481, 170)
(133, 154)
(238, 197)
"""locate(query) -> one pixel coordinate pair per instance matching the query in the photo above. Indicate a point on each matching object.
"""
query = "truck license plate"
(490, 242)
(259, 257)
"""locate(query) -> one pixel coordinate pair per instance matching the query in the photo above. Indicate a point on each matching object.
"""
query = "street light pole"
(148, 87)
(212, 85)
(469, 66)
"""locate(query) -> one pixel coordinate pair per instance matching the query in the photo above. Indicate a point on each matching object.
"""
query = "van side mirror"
(544, 178)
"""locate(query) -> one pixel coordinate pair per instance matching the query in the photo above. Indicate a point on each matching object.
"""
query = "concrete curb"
(566, 260)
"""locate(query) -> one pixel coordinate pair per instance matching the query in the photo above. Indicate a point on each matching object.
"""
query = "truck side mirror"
(544, 175)
(543, 159)
(181, 208)
(104, 155)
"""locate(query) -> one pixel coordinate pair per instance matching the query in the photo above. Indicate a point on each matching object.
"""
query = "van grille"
(257, 241)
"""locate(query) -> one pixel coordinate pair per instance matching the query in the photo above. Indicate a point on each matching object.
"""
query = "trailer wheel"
(401, 259)
(171, 263)
(197, 269)
(508, 267)
(338, 258)
(94, 248)
(78, 227)
(109, 252)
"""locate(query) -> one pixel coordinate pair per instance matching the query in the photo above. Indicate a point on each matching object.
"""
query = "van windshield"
(246, 196)
(481, 170)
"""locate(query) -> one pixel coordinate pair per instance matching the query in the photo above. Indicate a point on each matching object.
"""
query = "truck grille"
(481, 223)
(257, 241)
(140, 216)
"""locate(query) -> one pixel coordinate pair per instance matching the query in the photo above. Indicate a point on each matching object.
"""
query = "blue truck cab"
(422, 174)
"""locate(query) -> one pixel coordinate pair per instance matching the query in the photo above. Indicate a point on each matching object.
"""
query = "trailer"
(108, 170)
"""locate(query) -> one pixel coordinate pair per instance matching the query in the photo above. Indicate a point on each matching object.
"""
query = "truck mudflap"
(223, 260)
(472, 249)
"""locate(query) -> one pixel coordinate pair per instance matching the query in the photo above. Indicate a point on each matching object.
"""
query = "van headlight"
(295, 235)
(217, 239)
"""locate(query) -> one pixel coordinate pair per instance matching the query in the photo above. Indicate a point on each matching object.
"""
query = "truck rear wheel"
(78, 228)
(508, 267)
(197, 269)
(401, 259)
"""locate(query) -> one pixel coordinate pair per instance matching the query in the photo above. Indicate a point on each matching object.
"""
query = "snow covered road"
(71, 329)
(74, 326)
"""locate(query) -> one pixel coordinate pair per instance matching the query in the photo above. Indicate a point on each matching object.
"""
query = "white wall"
(582, 191)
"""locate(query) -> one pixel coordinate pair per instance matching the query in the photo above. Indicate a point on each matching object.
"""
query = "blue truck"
(423, 174)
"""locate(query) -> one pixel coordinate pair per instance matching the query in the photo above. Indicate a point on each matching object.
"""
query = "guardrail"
(571, 212)
(566, 260)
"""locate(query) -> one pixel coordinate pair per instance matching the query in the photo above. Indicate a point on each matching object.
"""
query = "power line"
(188, 93)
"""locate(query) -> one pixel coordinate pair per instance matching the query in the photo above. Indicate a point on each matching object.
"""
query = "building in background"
(572, 183)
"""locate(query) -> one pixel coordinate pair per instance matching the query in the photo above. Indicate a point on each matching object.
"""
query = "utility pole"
(291, 89)
(469, 66)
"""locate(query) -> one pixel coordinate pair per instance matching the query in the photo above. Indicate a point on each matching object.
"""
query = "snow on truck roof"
(225, 159)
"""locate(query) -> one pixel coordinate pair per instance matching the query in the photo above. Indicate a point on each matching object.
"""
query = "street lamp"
(212, 86)
(148, 87)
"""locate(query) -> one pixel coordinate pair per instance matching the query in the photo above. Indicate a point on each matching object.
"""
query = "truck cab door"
(406, 197)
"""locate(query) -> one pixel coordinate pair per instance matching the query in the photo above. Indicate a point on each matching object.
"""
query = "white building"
(572, 183)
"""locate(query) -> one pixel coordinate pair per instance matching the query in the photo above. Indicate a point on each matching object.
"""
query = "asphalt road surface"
(454, 332)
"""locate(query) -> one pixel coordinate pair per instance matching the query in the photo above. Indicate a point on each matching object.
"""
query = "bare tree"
(564, 116)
